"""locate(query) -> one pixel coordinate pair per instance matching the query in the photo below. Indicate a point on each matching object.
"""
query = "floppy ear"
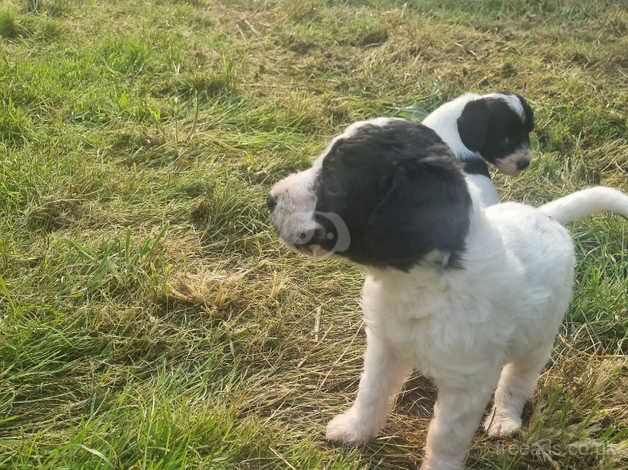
(473, 124)
(529, 114)
(425, 208)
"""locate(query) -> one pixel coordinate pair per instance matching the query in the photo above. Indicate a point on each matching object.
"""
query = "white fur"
(586, 202)
(487, 327)
(444, 121)
(483, 188)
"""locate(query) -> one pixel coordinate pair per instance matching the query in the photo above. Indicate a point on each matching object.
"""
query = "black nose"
(271, 202)
(310, 237)
(523, 164)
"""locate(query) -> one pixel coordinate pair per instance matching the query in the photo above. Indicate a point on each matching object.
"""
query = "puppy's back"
(542, 252)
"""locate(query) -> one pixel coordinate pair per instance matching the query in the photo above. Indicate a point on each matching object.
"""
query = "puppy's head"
(384, 193)
(498, 126)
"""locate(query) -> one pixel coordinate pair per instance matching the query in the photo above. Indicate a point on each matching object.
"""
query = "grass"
(149, 316)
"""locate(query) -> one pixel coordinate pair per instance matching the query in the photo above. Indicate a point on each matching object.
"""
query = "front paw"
(502, 425)
(351, 428)
(435, 464)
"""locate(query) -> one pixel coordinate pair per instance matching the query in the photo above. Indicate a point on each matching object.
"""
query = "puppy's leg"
(516, 384)
(381, 380)
(457, 414)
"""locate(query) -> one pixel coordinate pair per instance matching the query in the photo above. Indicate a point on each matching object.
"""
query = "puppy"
(491, 128)
(470, 296)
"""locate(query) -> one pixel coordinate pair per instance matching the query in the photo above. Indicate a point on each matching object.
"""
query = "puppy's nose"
(313, 236)
(271, 202)
(523, 164)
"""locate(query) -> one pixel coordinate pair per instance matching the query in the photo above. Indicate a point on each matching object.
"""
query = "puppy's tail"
(586, 202)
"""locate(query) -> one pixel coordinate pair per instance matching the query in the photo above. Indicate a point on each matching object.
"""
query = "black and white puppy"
(492, 128)
(470, 296)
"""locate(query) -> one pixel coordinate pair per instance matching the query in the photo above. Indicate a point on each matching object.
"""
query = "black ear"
(473, 124)
(529, 114)
(333, 151)
(425, 208)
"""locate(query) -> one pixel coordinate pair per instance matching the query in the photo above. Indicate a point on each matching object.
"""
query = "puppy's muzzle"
(314, 236)
(514, 163)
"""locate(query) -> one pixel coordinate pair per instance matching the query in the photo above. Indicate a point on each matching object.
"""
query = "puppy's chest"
(409, 318)
(437, 329)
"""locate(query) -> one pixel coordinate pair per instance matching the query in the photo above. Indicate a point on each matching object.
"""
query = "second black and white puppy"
(492, 128)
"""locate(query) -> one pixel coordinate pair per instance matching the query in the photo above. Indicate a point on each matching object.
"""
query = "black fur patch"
(529, 114)
(493, 129)
(475, 166)
(399, 192)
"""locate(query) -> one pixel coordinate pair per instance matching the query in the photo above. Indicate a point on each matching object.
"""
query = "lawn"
(149, 316)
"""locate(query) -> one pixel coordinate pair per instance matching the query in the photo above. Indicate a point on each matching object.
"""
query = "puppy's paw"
(434, 464)
(350, 428)
(502, 425)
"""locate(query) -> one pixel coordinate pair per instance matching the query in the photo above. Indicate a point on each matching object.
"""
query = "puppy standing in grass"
(471, 297)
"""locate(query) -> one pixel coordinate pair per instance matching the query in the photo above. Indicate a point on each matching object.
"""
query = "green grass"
(149, 317)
